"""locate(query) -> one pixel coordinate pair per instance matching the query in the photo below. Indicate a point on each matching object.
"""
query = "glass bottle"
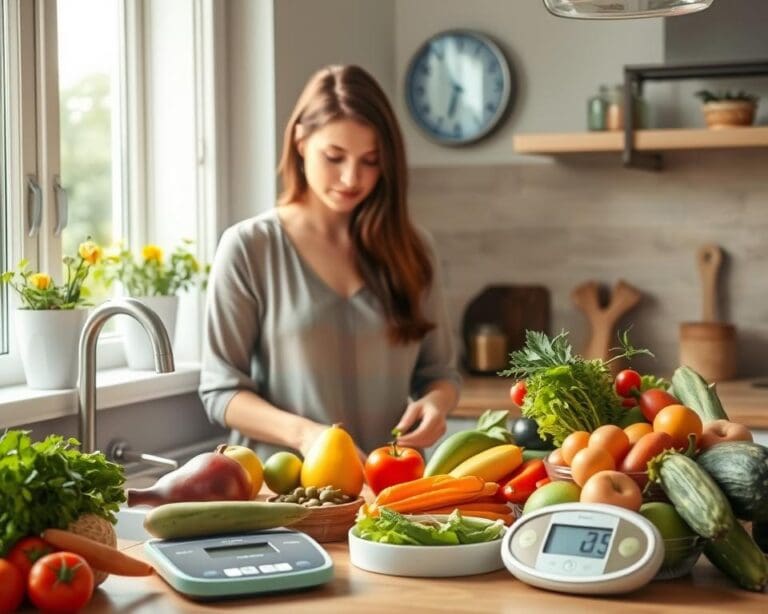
(597, 107)
(614, 115)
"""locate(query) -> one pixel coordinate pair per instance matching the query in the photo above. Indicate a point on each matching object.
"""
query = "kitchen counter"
(355, 590)
(744, 402)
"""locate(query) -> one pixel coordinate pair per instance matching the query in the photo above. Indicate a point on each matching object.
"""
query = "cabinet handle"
(34, 206)
(62, 206)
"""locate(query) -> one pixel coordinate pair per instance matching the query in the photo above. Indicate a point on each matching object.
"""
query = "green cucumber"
(456, 449)
(738, 556)
(531, 454)
(693, 391)
(202, 518)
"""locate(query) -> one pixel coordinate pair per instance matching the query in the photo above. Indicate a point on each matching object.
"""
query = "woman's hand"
(431, 427)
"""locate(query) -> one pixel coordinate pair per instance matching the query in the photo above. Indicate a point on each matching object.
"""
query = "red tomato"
(517, 392)
(392, 465)
(523, 481)
(653, 400)
(629, 403)
(26, 551)
(627, 383)
(11, 586)
(60, 582)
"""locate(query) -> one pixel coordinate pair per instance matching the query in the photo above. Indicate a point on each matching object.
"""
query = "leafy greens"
(50, 483)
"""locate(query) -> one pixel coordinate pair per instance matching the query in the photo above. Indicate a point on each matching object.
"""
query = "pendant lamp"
(623, 9)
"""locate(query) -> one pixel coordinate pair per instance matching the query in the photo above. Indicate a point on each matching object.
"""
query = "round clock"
(458, 87)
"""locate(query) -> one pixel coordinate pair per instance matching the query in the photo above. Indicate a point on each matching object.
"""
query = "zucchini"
(457, 448)
(693, 492)
(202, 518)
(738, 556)
(693, 391)
(740, 469)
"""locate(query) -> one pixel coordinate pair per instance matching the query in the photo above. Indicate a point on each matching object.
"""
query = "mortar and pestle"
(709, 346)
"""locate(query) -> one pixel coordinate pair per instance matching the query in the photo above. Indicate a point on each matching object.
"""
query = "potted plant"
(728, 109)
(156, 282)
(51, 317)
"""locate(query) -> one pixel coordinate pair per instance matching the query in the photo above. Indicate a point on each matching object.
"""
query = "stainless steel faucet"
(161, 347)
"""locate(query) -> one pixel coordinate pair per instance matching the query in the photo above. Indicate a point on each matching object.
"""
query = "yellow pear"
(332, 460)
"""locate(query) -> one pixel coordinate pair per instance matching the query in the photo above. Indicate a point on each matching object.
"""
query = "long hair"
(391, 257)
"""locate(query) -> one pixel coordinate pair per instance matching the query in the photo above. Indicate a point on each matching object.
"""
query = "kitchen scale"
(238, 565)
(585, 548)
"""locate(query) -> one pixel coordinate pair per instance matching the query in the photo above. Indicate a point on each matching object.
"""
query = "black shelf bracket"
(635, 76)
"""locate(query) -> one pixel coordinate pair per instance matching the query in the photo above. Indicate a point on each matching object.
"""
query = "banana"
(491, 464)
(457, 448)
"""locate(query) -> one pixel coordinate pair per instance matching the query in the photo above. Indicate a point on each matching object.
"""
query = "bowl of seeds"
(332, 513)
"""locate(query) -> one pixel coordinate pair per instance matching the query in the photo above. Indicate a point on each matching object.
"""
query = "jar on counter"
(487, 352)
(597, 107)
(614, 115)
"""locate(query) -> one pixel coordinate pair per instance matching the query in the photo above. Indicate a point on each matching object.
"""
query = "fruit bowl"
(328, 523)
(680, 555)
(652, 492)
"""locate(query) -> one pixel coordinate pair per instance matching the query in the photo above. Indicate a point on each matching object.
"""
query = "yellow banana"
(492, 464)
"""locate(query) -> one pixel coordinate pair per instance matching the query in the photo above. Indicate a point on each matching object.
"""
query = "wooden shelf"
(645, 140)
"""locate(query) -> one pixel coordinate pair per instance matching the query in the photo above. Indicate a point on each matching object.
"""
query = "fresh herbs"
(393, 528)
(566, 392)
(50, 483)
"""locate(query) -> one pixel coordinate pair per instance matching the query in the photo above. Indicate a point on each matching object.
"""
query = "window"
(109, 107)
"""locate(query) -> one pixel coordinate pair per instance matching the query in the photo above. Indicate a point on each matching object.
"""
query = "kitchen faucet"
(161, 347)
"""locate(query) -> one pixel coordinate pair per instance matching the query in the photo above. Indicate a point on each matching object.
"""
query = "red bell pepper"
(523, 481)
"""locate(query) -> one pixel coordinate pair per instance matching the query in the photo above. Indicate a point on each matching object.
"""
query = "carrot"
(99, 556)
(409, 489)
(438, 498)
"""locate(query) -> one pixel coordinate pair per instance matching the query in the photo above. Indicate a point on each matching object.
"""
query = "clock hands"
(457, 90)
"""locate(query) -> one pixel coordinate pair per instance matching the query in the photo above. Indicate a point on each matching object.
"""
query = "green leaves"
(539, 353)
(50, 483)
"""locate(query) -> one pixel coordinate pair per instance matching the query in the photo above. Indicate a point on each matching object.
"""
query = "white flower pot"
(136, 343)
(48, 341)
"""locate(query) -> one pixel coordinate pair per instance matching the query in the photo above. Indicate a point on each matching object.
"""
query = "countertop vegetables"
(393, 528)
(694, 392)
(566, 393)
(50, 483)
(98, 556)
(392, 464)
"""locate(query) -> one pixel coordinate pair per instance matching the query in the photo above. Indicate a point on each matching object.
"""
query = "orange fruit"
(612, 439)
(576, 441)
(678, 421)
(588, 462)
(636, 431)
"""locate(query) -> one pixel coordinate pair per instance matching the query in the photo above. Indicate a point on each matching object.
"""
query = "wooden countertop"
(355, 590)
(744, 402)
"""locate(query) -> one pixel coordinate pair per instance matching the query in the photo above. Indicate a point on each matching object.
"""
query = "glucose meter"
(583, 548)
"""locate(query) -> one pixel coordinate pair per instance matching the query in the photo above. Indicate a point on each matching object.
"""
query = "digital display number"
(239, 550)
(572, 540)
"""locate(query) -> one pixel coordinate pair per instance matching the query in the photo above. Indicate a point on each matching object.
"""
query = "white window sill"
(115, 387)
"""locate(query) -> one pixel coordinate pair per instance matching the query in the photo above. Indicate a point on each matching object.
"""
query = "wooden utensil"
(603, 318)
(709, 346)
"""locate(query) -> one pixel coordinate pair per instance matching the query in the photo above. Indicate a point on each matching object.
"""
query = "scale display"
(583, 548)
(233, 565)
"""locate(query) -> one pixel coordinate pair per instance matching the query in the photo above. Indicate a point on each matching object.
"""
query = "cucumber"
(740, 469)
(531, 454)
(738, 556)
(693, 391)
(694, 494)
(202, 518)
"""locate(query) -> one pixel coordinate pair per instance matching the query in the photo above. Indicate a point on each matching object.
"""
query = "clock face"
(458, 87)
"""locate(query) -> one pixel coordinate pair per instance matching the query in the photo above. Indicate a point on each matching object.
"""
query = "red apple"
(719, 431)
(614, 488)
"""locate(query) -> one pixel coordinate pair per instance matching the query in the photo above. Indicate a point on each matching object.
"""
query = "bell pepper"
(523, 481)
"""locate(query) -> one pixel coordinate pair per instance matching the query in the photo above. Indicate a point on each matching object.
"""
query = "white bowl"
(425, 561)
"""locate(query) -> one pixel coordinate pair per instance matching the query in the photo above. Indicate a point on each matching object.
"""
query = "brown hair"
(391, 256)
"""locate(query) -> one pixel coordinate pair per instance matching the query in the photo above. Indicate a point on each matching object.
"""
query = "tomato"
(588, 462)
(26, 551)
(576, 441)
(629, 403)
(523, 481)
(60, 582)
(392, 465)
(678, 421)
(636, 431)
(612, 439)
(627, 383)
(653, 400)
(11, 586)
(517, 392)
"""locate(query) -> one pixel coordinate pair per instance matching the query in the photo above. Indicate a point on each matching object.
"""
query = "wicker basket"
(729, 113)
(330, 523)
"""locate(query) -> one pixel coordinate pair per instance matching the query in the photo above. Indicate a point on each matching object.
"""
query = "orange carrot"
(408, 489)
(98, 555)
(439, 498)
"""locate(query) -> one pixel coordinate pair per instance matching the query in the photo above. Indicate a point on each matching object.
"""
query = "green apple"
(677, 535)
(559, 491)
(282, 472)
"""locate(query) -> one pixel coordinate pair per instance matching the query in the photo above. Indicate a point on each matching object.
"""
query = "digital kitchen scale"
(585, 548)
(235, 565)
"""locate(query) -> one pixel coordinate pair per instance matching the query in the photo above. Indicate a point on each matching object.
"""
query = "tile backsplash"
(559, 223)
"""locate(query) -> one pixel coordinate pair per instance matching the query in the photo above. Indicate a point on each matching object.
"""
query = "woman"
(327, 309)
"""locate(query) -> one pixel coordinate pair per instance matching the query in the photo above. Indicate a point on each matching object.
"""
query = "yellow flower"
(152, 252)
(90, 252)
(41, 281)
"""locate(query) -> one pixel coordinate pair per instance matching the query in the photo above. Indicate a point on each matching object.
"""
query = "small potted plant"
(727, 109)
(49, 321)
(157, 282)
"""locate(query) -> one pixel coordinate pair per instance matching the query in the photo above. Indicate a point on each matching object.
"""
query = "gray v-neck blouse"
(274, 327)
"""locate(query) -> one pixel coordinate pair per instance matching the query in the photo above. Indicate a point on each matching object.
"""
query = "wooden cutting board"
(513, 308)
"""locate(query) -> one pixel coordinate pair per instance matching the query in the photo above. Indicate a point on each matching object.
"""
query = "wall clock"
(458, 87)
